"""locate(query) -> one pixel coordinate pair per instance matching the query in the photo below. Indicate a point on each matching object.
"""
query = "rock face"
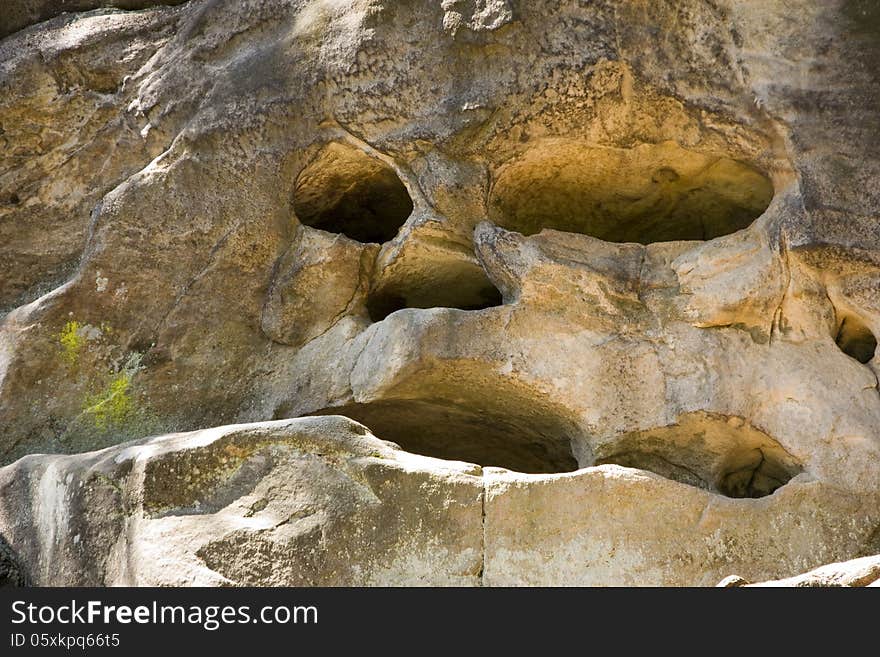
(291, 502)
(853, 573)
(18, 14)
(321, 501)
(607, 274)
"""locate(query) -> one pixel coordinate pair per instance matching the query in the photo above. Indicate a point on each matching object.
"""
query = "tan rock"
(320, 501)
(856, 572)
(294, 503)
(319, 280)
(630, 256)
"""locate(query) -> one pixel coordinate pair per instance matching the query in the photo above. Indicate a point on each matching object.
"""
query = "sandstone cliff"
(597, 286)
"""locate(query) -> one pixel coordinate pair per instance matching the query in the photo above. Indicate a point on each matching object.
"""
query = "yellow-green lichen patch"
(76, 336)
(114, 406)
(71, 341)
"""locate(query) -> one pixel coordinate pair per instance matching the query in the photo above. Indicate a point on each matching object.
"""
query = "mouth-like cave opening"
(346, 191)
(650, 193)
(459, 412)
(714, 452)
(855, 339)
(451, 284)
(448, 431)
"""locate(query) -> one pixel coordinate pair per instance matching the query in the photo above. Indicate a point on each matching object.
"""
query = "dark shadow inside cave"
(461, 285)
(856, 340)
(345, 190)
(465, 411)
(456, 432)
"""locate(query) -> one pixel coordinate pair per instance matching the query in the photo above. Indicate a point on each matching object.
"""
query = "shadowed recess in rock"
(715, 452)
(18, 15)
(454, 284)
(346, 191)
(650, 193)
(11, 572)
(489, 425)
(856, 340)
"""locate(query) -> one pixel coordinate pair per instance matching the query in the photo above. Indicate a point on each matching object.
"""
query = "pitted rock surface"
(606, 275)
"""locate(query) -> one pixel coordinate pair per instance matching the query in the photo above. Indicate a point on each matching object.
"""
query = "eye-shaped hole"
(855, 339)
(650, 193)
(346, 191)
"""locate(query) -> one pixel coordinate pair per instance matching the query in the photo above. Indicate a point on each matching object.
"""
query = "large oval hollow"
(719, 453)
(346, 191)
(650, 193)
(438, 428)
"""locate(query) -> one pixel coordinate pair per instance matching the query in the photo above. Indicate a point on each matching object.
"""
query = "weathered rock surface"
(293, 502)
(320, 501)
(628, 251)
(856, 572)
(18, 14)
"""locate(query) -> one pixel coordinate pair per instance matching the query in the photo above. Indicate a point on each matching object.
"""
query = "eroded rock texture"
(606, 274)
(854, 573)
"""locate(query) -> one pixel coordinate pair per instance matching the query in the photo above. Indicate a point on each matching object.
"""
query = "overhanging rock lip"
(502, 477)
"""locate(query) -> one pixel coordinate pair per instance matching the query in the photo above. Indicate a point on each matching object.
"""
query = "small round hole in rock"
(346, 191)
(856, 340)
(650, 193)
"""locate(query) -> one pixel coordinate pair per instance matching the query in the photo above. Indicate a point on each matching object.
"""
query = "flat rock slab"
(321, 501)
